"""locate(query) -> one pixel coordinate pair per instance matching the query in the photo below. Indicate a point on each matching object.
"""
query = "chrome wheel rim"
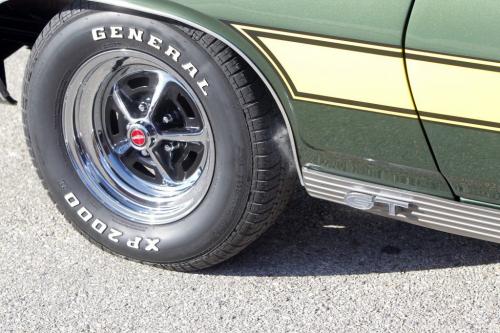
(138, 137)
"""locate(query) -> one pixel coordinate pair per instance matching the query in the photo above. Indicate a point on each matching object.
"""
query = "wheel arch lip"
(231, 37)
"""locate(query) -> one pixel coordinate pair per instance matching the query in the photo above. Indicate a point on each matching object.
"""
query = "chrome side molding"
(415, 208)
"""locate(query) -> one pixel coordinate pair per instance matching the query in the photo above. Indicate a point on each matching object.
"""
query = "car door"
(342, 63)
(453, 60)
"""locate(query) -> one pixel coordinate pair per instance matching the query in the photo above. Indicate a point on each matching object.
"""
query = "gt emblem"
(138, 137)
(364, 201)
(360, 201)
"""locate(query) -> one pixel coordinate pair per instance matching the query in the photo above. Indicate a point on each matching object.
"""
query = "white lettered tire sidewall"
(59, 54)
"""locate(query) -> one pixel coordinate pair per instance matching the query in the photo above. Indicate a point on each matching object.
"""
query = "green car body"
(398, 93)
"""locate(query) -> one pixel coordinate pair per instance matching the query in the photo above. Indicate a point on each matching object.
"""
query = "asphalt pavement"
(321, 268)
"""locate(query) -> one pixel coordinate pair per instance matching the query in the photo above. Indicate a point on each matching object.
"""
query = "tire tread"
(272, 182)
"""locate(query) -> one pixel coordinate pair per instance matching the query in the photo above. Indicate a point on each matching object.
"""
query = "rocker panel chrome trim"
(425, 210)
(143, 9)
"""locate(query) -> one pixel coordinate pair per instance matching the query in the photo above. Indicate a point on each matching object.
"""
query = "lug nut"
(143, 107)
(168, 119)
(169, 148)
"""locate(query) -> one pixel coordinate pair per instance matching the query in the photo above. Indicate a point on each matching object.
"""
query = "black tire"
(253, 177)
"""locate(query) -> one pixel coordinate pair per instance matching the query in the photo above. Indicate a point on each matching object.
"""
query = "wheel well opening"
(21, 21)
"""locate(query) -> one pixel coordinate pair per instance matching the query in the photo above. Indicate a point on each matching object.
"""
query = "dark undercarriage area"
(21, 21)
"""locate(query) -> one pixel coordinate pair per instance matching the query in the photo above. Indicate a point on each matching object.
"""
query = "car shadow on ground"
(315, 237)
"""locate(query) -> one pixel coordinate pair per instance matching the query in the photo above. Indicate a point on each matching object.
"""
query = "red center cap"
(138, 137)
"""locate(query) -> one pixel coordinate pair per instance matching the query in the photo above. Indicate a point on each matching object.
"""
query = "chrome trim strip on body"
(423, 210)
(125, 4)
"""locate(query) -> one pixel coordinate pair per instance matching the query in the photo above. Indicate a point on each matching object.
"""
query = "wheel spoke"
(163, 80)
(178, 168)
(186, 135)
(122, 107)
(159, 166)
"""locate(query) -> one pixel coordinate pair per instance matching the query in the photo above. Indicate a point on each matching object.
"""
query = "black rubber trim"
(5, 97)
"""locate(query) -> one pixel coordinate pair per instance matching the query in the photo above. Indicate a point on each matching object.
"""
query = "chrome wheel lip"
(117, 188)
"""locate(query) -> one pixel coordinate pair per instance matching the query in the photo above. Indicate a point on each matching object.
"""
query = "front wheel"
(155, 140)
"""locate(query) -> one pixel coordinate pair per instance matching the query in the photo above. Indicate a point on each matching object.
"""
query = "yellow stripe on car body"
(372, 77)
(337, 72)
